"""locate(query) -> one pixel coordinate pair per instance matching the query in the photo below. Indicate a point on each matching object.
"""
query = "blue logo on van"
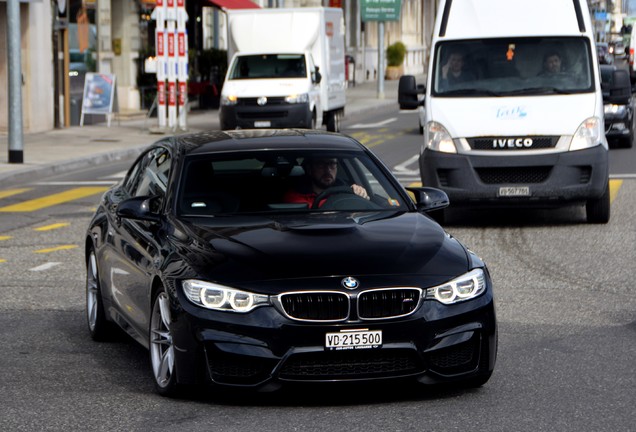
(511, 112)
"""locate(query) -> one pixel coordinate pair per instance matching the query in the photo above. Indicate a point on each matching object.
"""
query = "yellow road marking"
(11, 192)
(2, 260)
(51, 200)
(52, 226)
(56, 248)
(615, 185)
(5, 238)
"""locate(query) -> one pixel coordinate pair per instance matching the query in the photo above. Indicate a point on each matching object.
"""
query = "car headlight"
(588, 134)
(617, 110)
(229, 100)
(463, 288)
(218, 297)
(437, 138)
(297, 98)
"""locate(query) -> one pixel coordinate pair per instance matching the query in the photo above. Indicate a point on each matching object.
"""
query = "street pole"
(15, 82)
(381, 60)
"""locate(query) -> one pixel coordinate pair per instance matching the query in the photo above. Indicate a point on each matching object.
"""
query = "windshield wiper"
(539, 91)
(470, 92)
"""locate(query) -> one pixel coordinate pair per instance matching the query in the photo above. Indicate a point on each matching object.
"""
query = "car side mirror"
(409, 91)
(137, 208)
(429, 199)
(620, 89)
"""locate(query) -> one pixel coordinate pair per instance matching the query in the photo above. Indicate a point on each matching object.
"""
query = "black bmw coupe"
(263, 257)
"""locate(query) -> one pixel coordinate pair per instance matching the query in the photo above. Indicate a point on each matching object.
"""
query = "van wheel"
(333, 121)
(598, 210)
(313, 121)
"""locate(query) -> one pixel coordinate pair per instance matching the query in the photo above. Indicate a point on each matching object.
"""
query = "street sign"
(380, 10)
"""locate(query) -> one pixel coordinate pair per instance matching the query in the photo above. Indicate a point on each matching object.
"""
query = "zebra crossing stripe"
(10, 192)
(52, 226)
(44, 266)
(54, 199)
(56, 248)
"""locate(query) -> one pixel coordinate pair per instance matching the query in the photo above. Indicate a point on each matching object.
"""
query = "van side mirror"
(428, 198)
(408, 92)
(317, 77)
(620, 89)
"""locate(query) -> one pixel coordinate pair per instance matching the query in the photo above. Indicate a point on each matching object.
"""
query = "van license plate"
(353, 339)
(514, 191)
(262, 124)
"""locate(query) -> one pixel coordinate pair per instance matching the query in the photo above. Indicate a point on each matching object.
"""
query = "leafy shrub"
(395, 54)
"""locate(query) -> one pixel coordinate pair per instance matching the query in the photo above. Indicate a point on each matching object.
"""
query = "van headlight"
(297, 98)
(229, 100)
(218, 297)
(437, 138)
(588, 134)
(465, 287)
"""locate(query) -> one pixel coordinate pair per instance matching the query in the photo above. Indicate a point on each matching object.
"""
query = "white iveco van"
(513, 108)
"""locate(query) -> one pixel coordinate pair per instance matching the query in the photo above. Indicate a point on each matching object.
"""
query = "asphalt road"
(564, 294)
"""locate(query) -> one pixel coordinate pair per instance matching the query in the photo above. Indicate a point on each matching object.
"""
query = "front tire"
(598, 210)
(333, 121)
(162, 359)
(99, 327)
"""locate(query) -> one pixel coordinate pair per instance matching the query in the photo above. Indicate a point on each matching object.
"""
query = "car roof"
(263, 139)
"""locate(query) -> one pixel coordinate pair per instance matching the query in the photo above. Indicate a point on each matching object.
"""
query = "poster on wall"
(100, 95)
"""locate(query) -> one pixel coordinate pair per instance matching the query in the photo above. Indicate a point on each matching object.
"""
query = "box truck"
(512, 113)
(286, 69)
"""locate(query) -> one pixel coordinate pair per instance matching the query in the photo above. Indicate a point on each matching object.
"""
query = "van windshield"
(262, 66)
(513, 67)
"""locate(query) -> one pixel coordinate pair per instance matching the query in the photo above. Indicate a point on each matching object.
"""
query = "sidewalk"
(77, 147)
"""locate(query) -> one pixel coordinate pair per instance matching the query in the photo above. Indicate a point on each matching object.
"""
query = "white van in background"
(286, 69)
(513, 109)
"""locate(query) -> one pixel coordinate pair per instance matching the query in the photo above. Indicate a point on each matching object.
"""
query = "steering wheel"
(329, 192)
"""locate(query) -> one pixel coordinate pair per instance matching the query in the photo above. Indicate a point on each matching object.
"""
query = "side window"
(134, 177)
(154, 180)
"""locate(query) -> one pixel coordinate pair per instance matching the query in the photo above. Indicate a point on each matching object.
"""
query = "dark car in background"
(200, 258)
(604, 54)
(619, 105)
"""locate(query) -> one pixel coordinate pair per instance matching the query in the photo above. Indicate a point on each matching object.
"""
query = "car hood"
(242, 249)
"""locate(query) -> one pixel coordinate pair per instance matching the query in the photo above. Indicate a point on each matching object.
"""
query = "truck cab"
(512, 111)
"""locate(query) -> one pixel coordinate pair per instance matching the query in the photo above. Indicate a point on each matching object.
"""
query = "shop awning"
(233, 4)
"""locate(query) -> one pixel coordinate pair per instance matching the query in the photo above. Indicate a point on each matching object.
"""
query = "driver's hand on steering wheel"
(360, 191)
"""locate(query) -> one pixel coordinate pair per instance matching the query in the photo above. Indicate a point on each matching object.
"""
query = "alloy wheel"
(92, 291)
(161, 348)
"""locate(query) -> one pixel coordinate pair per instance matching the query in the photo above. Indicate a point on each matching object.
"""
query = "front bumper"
(264, 349)
(278, 115)
(618, 126)
(552, 178)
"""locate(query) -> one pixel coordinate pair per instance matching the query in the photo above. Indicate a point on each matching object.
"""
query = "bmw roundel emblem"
(350, 283)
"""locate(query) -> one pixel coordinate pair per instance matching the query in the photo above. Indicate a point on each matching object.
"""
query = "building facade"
(117, 36)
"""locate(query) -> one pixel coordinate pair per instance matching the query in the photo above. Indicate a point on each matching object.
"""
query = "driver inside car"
(320, 175)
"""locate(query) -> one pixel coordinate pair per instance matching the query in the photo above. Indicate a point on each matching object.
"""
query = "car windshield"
(513, 67)
(285, 182)
(269, 66)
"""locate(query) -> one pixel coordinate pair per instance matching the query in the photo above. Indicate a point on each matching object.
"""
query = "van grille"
(519, 175)
(501, 143)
